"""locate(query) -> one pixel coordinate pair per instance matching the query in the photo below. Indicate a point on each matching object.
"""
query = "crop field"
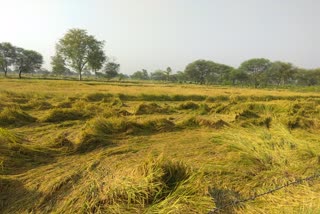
(142, 147)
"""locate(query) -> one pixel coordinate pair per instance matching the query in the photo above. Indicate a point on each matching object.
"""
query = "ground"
(141, 147)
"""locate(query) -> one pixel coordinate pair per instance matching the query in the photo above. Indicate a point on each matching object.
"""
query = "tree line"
(77, 52)
(257, 72)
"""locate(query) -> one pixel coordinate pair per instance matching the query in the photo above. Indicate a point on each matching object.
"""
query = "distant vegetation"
(78, 53)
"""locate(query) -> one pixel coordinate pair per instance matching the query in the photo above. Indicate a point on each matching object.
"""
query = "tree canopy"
(111, 69)
(79, 49)
(7, 56)
(27, 61)
(256, 68)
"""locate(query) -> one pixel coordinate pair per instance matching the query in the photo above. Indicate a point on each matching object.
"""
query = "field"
(139, 147)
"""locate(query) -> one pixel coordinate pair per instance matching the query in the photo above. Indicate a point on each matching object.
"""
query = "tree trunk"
(80, 76)
(20, 74)
(5, 73)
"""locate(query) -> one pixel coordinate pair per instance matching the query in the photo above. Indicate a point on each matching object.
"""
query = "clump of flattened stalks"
(61, 115)
(97, 97)
(14, 116)
(156, 186)
(188, 105)
(151, 108)
(200, 122)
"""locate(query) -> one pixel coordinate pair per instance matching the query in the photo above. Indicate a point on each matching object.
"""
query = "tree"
(238, 76)
(111, 69)
(159, 75)
(79, 49)
(255, 69)
(219, 73)
(96, 59)
(140, 75)
(27, 61)
(308, 77)
(168, 72)
(180, 76)
(7, 56)
(199, 71)
(122, 76)
(281, 72)
(58, 65)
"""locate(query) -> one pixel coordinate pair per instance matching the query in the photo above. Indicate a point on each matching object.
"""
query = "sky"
(155, 34)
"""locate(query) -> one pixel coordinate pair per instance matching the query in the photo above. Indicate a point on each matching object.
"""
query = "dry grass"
(100, 147)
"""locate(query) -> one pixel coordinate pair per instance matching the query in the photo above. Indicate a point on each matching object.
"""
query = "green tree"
(78, 49)
(27, 61)
(140, 75)
(168, 72)
(159, 75)
(256, 69)
(122, 76)
(111, 69)
(58, 65)
(219, 73)
(199, 71)
(96, 59)
(308, 77)
(281, 73)
(180, 76)
(238, 76)
(7, 56)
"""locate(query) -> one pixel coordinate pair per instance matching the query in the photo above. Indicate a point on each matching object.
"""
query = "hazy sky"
(154, 34)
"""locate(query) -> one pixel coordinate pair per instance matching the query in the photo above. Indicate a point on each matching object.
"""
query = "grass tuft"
(97, 97)
(151, 108)
(14, 116)
(60, 115)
